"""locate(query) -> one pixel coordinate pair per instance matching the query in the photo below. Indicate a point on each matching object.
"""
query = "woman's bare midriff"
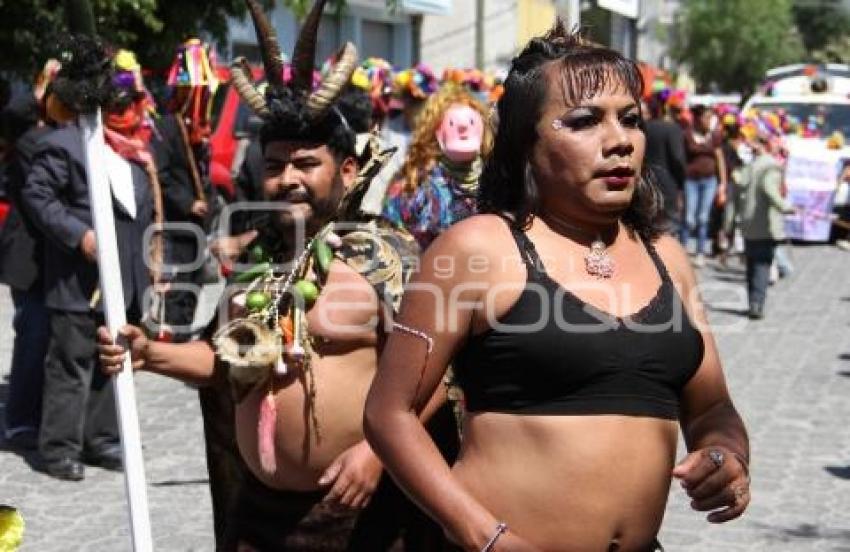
(568, 483)
(342, 382)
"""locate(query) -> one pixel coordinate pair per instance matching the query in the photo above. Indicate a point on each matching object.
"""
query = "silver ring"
(717, 457)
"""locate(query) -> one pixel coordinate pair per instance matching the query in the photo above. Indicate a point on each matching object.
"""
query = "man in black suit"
(78, 418)
(182, 156)
(21, 258)
(665, 157)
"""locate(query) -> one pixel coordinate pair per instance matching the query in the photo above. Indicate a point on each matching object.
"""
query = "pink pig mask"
(460, 133)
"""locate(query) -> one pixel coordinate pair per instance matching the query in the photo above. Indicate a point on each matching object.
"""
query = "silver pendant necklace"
(598, 262)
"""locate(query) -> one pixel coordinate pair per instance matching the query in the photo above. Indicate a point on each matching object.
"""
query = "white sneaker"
(843, 245)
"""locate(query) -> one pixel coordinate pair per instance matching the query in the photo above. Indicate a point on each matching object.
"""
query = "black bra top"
(552, 353)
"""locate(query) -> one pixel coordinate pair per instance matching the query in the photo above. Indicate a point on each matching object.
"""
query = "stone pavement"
(789, 376)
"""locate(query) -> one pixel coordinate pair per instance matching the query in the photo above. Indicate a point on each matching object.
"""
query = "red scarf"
(123, 133)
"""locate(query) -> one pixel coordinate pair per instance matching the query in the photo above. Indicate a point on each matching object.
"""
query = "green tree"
(152, 28)
(729, 44)
(837, 50)
(29, 28)
(821, 22)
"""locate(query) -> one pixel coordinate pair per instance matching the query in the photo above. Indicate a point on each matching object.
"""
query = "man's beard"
(285, 222)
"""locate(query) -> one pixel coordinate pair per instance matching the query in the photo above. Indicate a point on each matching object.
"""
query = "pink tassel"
(265, 434)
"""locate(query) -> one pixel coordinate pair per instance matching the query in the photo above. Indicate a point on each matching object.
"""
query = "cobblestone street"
(789, 375)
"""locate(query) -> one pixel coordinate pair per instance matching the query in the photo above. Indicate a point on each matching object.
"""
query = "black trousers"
(26, 381)
(759, 255)
(180, 304)
(78, 412)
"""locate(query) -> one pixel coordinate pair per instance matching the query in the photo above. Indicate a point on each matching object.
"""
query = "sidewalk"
(789, 375)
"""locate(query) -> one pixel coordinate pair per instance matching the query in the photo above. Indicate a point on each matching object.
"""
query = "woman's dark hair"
(586, 69)
(698, 110)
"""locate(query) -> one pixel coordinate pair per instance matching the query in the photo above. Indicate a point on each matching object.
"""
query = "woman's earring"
(557, 124)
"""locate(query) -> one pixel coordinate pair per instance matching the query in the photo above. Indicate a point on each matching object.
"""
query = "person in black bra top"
(574, 328)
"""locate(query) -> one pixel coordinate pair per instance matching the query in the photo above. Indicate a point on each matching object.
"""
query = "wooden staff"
(190, 157)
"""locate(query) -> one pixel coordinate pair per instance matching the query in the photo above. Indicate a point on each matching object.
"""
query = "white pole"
(112, 292)
(573, 14)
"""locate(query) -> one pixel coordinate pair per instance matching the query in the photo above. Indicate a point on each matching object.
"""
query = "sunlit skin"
(561, 482)
(586, 173)
(332, 457)
(311, 182)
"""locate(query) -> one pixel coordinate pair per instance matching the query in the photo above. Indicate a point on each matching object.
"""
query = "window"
(376, 39)
(834, 116)
(328, 41)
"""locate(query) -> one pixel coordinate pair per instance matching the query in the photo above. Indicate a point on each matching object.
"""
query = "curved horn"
(240, 74)
(334, 82)
(304, 55)
(269, 48)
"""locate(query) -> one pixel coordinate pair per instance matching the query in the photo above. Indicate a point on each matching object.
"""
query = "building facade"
(443, 33)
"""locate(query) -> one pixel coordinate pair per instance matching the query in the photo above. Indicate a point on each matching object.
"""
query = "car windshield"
(835, 116)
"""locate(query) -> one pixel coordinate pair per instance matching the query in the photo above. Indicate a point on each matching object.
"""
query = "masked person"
(376, 76)
(182, 156)
(128, 131)
(78, 419)
(438, 183)
(300, 347)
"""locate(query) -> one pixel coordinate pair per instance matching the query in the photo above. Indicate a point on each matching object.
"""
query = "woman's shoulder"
(478, 234)
(675, 259)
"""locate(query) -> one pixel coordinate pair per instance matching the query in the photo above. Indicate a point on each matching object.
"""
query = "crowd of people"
(469, 321)
(721, 172)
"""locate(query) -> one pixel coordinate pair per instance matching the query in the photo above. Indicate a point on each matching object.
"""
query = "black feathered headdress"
(293, 110)
(84, 81)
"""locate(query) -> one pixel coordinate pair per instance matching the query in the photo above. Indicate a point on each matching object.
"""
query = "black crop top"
(552, 353)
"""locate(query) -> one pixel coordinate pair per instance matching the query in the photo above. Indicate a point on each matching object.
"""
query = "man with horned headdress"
(304, 330)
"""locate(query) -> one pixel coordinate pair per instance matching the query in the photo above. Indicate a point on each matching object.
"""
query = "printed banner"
(811, 175)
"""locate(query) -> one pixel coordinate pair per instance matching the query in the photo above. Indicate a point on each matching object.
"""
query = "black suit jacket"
(178, 189)
(172, 164)
(56, 194)
(665, 157)
(21, 248)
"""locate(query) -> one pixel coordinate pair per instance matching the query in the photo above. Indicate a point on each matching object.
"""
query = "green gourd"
(323, 255)
(307, 291)
(252, 273)
(257, 300)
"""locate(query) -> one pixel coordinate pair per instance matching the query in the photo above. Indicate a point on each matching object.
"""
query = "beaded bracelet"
(501, 528)
(414, 332)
